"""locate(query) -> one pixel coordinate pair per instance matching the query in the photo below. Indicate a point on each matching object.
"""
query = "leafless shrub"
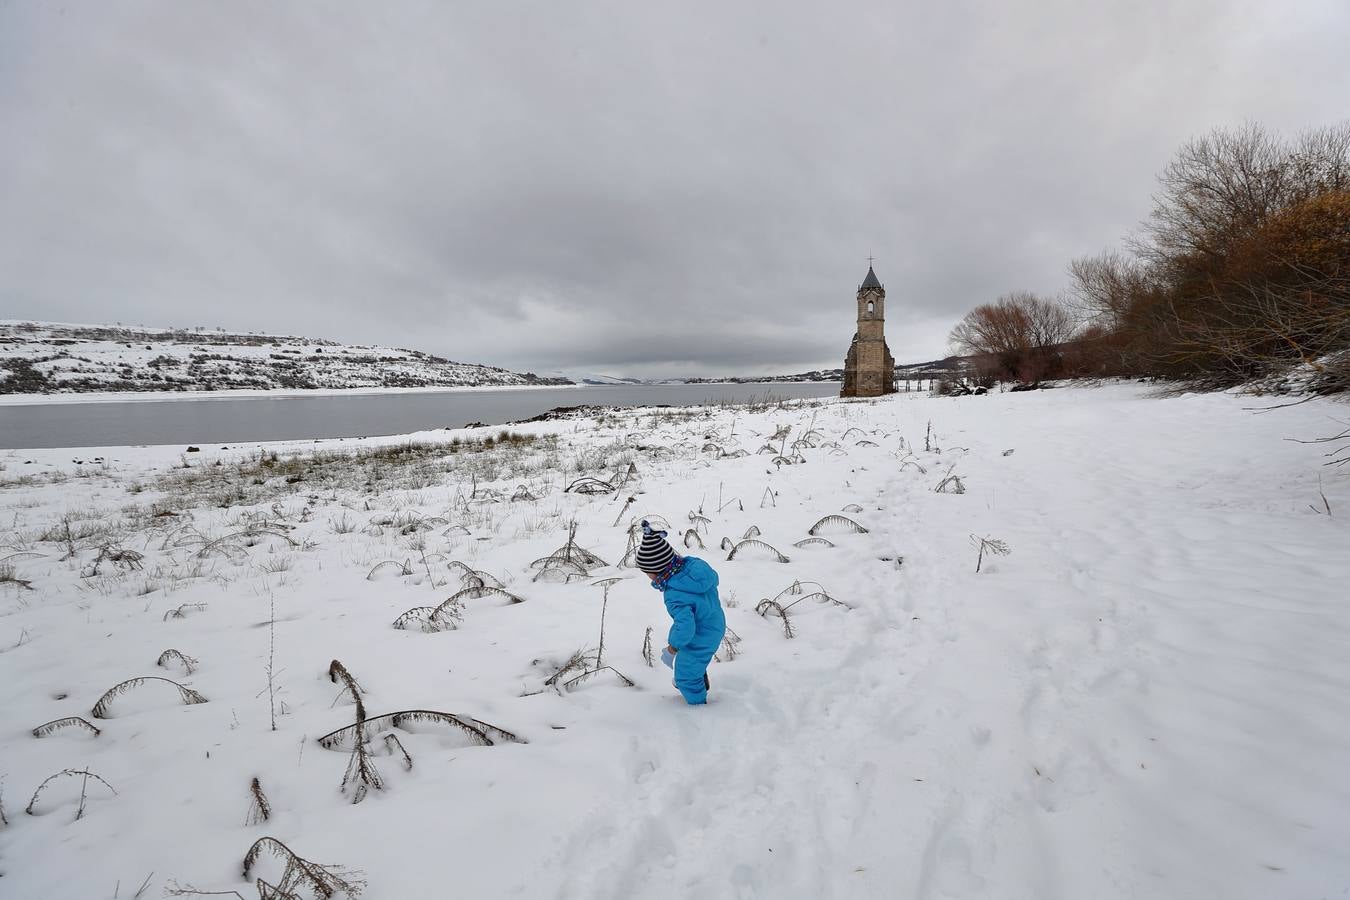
(404, 568)
(276, 565)
(814, 542)
(756, 545)
(751, 532)
(626, 475)
(767, 606)
(229, 544)
(426, 620)
(361, 774)
(627, 503)
(576, 681)
(836, 524)
(471, 578)
(178, 889)
(770, 496)
(181, 610)
(588, 485)
(559, 571)
(699, 521)
(338, 674)
(522, 493)
(479, 731)
(104, 704)
(950, 484)
(581, 660)
(727, 544)
(84, 775)
(342, 524)
(68, 722)
(571, 552)
(451, 608)
(728, 650)
(992, 546)
(270, 668)
(647, 648)
(908, 460)
(852, 508)
(123, 560)
(188, 663)
(300, 874)
(259, 810)
(22, 554)
(7, 576)
(808, 590)
(692, 539)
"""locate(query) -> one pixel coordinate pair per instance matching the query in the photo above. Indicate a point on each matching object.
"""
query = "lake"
(200, 419)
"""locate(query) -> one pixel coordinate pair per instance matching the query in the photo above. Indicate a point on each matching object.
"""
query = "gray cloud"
(685, 188)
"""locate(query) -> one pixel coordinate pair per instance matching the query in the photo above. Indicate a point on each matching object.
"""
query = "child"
(689, 586)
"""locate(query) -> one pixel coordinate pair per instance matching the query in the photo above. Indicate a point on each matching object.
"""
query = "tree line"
(1241, 272)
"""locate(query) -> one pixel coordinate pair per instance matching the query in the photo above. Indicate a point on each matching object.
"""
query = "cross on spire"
(869, 261)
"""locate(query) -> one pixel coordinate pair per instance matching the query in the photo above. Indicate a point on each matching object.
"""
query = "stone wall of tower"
(869, 368)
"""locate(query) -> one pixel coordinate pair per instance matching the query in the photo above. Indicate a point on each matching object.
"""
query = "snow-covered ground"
(1146, 698)
(46, 357)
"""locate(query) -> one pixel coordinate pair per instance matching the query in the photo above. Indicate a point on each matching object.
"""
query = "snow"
(1144, 699)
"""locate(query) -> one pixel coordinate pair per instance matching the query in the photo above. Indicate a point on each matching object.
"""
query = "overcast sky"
(620, 187)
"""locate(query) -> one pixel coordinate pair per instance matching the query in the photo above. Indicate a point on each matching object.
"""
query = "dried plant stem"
(84, 774)
(325, 881)
(600, 651)
(392, 742)
(259, 809)
(271, 660)
(188, 663)
(68, 722)
(101, 708)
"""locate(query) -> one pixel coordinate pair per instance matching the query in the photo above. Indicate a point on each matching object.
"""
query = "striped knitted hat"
(654, 554)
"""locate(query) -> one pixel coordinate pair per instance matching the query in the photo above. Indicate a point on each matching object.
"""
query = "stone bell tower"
(869, 368)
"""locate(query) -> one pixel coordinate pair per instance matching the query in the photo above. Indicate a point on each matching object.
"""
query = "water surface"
(196, 420)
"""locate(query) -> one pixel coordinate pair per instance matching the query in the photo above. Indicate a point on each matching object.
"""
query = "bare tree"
(1017, 336)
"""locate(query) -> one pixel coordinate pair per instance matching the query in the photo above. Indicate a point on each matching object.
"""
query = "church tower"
(869, 369)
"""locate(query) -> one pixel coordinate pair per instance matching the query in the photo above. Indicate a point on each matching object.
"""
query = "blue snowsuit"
(691, 599)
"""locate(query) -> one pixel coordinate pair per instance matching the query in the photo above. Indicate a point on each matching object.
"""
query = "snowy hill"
(1144, 698)
(45, 357)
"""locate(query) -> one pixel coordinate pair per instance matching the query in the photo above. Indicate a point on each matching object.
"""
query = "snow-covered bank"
(1144, 699)
(51, 358)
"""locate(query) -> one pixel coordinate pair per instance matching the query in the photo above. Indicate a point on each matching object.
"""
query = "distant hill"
(48, 357)
(932, 369)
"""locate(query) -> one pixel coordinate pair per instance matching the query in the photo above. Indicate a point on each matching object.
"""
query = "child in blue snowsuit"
(689, 587)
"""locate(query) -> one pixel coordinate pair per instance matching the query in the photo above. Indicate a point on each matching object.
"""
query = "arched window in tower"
(871, 307)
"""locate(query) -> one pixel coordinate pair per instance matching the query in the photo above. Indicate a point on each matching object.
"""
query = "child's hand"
(668, 657)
